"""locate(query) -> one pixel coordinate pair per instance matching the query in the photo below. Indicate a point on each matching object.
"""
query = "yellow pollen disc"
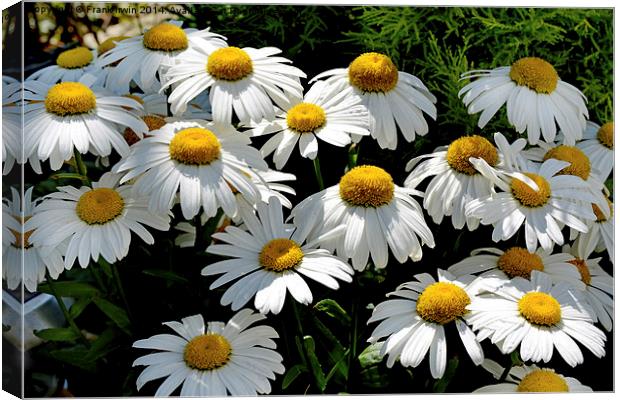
(527, 196)
(207, 352)
(195, 146)
(280, 255)
(605, 135)
(165, 37)
(583, 269)
(517, 261)
(75, 58)
(579, 162)
(540, 309)
(70, 98)
(465, 147)
(373, 72)
(305, 117)
(99, 206)
(442, 302)
(229, 64)
(542, 381)
(153, 122)
(535, 73)
(367, 186)
(109, 44)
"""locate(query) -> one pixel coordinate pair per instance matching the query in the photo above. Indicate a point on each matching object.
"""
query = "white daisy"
(530, 378)
(215, 360)
(17, 247)
(202, 161)
(331, 119)
(12, 126)
(538, 199)
(376, 213)
(536, 98)
(600, 234)
(392, 97)
(70, 66)
(68, 116)
(414, 323)
(244, 80)
(598, 145)
(142, 57)
(103, 73)
(538, 315)
(270, 259)
(97, 221)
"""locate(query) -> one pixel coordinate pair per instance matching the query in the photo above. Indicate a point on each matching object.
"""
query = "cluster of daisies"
(178, 108)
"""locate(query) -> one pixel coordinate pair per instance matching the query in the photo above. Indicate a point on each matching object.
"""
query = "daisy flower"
(244, 80)
(600, 234)
(598, 145)
(17, 247)
(12, 126)
(270, 259)
(414, 323)
(141, 57)
(535, 96)
(538, 199)
(392, 97)
(530, 378)
(213, 360)
(70, 66)
(68, 116)
(539, 316)
(377, 214)
(96, 221)
(103, 74)
(202, 161)
(188, 236)
(331, 119)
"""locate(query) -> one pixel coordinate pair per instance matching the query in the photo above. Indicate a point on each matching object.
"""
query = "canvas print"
(259, 199)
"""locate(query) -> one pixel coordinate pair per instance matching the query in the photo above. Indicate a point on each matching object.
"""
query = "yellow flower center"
(517, 261)
(75, 58)
(70, 98)
(583, 269)
(528, 196)
(109, 44)
(367, 186)
(373, 72)
(535, 73)
(153, 122)
(600, 217)
(229, 64)
(165, 37)
(465, 147)
(305, 117)
(18, 235)
(579, 162)
(195, 146)
(207, 352)
(99, 206)
(542, 381)
(605, 135)
(442, 302)
(280, 255)
(540, 309)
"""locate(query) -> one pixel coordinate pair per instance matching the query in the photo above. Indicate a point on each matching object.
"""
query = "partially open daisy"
(214, 360)
(331, 119)
(414, 323)
(392, 97)
(142, 57)
(202, 161)
(71, 115)
(538, 199)
(377, 214)
(96, 221)
(539, 316)
(600, 234)
(270, 260)
(70, 66)
(241, 80)
(17, 247)
(530, 378)
(598, 145)
(535, 96)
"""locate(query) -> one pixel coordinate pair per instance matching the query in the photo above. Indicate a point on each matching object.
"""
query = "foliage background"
(163, 282)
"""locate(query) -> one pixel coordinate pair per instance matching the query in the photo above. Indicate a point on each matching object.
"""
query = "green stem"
(514, 360)
(97, 276)
(80, 167)
(317, 173)
(300, 332)
(64, 310)
(353, 338)
(119, 285)
(354, 151)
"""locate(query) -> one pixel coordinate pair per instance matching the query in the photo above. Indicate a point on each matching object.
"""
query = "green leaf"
(69, 175)
(114, 312)
(77, 356)
(165, 274)
(374, 377)
(79, 306)
(335, 349)
(441, 385)
(334, 310)
(371, 355)
(317, 371)
(70, 289)
(58, 334)
(103, 344)
(292, 374)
